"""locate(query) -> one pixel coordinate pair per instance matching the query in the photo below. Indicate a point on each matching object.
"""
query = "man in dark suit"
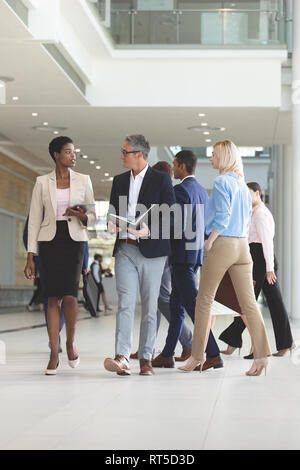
(187, 256)
(140, 254)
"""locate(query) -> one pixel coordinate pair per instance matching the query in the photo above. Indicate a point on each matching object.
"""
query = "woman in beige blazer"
(62, 206)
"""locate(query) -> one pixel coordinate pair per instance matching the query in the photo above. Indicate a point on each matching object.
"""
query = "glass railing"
(202, 27)
(245, 152)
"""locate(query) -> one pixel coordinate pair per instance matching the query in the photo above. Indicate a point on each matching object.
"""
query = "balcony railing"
(221, 27)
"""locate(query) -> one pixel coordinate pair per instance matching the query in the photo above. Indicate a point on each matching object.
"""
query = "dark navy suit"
(185, 261)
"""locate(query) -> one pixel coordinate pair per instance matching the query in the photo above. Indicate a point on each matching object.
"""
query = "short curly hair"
(57, 144)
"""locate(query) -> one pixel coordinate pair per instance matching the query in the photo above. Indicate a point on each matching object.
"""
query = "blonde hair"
(229, 158)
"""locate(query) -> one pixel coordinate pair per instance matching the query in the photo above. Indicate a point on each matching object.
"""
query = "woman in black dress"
(62, 206)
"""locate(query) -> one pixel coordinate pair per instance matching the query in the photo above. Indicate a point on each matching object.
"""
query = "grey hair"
(138, 142)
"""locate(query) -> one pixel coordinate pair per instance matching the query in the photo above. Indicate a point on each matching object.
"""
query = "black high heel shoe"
(250, 356)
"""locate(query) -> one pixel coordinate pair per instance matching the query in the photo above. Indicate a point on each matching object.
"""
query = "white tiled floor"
(89, 408)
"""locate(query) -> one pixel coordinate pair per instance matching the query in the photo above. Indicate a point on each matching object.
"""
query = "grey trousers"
(133, 269)
(186, 336)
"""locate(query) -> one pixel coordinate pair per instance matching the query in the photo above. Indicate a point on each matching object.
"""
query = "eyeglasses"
(125, 152)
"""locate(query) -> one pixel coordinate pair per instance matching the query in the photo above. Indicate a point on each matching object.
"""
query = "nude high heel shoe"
(52, 371)
(191, 364)
(75, 363)
(261, 364)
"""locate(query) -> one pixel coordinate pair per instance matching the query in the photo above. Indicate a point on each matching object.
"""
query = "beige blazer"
(44, 200)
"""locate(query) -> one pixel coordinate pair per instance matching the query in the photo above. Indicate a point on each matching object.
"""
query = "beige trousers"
(232, 254)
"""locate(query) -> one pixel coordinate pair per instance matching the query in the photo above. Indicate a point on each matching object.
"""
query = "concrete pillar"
(296, 167)
(286, 282)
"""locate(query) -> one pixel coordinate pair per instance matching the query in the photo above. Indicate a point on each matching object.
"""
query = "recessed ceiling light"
(223, 129)
(46, 128)
(55, 132)
(77, 150)
(84, 156)
(201, 115)
(34, 114)
(92, 162)
(98, 167)
(206, 133)
(15, 98)
(111, 178)
(207, 140)
(45, 123)
(6, 79)
(204, 124)
(106, 174)
(206, 127)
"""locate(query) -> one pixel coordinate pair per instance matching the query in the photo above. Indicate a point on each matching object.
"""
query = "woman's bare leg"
(70, 313)
(105, 300)
(53, 316)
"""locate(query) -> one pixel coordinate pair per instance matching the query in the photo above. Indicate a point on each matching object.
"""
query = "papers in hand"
(123, 223)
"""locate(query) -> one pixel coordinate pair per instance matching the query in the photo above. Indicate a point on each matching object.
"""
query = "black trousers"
(281, 325)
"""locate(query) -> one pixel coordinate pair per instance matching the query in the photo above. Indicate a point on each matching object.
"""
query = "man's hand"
(143, 232)
(79, 213)
(112, 228)
(271, 277)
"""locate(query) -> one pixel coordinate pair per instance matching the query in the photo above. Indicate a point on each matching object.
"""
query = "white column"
(286, 283)
(278, 214)
(296, 167)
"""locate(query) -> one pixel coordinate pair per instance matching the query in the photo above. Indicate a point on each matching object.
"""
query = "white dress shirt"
(262, 230)
(188, 176)
(134, 191)
(96, 271)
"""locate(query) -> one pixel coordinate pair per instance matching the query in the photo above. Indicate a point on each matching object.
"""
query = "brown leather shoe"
(215, 362)
(119, 365)
(162, 361)
(185, 355)
(146, 367)
(134, 355)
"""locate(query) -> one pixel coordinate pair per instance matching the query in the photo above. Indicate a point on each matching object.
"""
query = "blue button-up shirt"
(229, 207)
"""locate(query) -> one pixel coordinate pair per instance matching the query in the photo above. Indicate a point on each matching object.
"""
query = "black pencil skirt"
(62, 260)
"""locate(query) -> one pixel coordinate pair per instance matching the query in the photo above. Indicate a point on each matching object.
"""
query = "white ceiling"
(43, 87)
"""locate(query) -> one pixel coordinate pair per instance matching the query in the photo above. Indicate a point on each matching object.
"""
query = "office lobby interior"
(185, 74)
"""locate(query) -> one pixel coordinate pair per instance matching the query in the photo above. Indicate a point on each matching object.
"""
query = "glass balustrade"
(245, 152)
(255, 23)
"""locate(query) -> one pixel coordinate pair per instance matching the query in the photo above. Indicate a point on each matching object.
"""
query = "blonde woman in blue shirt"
(226, 249)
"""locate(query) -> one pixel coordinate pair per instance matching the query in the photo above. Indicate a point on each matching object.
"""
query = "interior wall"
(16, 184)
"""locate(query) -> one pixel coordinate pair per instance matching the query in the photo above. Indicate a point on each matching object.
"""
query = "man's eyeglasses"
(125, 152)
